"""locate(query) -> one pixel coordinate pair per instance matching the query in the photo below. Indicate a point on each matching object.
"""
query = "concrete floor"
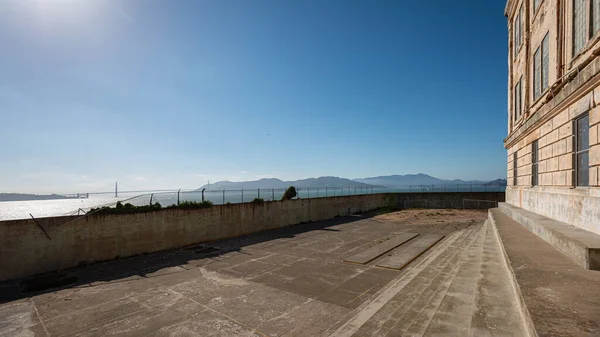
(286, 282)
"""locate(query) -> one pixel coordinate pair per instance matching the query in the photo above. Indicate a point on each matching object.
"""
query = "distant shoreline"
(27, 197)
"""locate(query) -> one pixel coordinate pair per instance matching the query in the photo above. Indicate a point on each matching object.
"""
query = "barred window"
(579, 31)
(537, 74)
(518, 99)
(545, 61)
(541, 60)
(582, 149)
(518, 31)
(595, 16)
(534, 163)
(515, 169)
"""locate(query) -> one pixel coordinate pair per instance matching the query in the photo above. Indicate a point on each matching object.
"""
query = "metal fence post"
(151, 195)
(242, 195)
(326, 188)
(273, 190)
(317, 192)
(178, 197)
(223, 197)
(258, 194)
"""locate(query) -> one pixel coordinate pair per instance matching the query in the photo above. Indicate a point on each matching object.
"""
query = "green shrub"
(126, 209)
(289, 194)
(192, 205)
(258, 201)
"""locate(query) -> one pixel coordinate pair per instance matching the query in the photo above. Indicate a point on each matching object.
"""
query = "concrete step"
(376, 251)
(419, 287)
(581, 246)
(405, 254)
(498, 310)
(561, 298)
(427, 322)
(453, 315)
(479, 300)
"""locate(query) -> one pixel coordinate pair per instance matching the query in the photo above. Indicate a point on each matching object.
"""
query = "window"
(518, 31)
(515, 169)
(536, 3)
(582, 148)
(595, 13)
(541, 60)
(518, 99)
(579, 31)
(534, 163)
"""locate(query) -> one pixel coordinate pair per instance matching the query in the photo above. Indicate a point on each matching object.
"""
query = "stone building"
(553, 145)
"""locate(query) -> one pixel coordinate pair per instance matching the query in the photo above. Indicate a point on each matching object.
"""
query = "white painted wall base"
(579, 207)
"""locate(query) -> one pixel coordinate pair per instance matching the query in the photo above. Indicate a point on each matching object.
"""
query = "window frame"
(544, 83)
(586, 16)
(577, 152)
(518, 99)
(518, 31)
(534, 163)
(515, 168)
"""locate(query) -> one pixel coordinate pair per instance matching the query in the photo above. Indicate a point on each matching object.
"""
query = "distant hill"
(268, 183)
(24, 197)
(501, 182)
(412, 179)
(393, 181)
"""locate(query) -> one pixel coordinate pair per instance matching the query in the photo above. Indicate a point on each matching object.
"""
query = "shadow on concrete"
(123, 270)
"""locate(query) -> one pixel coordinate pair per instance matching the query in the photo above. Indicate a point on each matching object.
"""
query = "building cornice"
(509, 8)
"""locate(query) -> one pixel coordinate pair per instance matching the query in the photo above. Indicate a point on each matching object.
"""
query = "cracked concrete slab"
(286, 282)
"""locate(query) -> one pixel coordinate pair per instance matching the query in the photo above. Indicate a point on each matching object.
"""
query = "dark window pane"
(596, 15)
(534, 152)
(545, 63)
(583, 133)
(515, 169)
(583, 169)
(537, 74)
(579, 38)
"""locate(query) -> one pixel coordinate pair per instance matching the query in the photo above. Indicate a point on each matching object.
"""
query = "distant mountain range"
(393, 181)
(418, 179)
(277, 183)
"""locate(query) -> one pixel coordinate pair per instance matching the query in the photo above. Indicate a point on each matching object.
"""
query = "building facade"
(553, 145)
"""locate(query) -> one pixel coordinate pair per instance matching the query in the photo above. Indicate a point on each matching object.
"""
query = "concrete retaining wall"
(579, 207)
(25, 250)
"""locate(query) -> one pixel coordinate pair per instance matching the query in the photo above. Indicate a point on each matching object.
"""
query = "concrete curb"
(576, 243)
(527, 321)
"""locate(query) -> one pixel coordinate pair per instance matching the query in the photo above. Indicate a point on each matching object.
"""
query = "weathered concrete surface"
(578, 244)
(289, 281)
(376, 251)
(25, 250)
(410, 251)
(576, 207)
(561, 297)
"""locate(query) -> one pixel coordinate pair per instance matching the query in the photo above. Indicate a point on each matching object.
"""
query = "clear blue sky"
(170, 94)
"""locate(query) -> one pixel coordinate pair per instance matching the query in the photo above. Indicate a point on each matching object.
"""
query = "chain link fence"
(220, 197)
